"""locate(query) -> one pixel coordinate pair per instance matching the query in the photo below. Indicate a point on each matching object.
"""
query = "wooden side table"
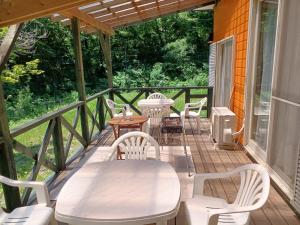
(129, 122)
(174, 125)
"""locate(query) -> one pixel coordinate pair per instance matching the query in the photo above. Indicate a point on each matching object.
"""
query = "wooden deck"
(206, 158)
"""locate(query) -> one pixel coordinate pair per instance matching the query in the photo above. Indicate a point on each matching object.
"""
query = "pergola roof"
(104, 15)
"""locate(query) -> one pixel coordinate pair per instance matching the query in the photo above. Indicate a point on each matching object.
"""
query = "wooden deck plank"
(208, 158)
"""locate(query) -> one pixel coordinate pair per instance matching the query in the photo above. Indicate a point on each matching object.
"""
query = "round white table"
(152, 103)
(118, 192)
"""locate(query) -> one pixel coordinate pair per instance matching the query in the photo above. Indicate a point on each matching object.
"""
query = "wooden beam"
(7, 162)
(106, 50)
(80, 78)
(88, 20)
(16, 11)
(151, 13)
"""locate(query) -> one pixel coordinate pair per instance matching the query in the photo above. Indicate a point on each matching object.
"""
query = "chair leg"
(198, 125)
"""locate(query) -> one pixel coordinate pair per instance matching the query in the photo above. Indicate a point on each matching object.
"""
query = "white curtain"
(224, 75)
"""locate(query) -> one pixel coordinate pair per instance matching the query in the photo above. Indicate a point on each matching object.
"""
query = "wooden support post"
(7, 162)
(210, 91)
(111, 95)
(80, 78)
(106, 49)
(58, 145)
(101, 113)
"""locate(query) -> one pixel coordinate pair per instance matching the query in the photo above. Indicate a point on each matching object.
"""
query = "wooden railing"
(95, 122)
(179, 91)
(55, 122)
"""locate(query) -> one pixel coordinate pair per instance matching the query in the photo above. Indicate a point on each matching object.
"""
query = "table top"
(120, 192)
(155, 102)
(225, 111)
(129, 120)
(171, 125)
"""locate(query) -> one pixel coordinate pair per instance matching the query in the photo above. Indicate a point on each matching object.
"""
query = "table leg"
(185, 152)
(115, 131)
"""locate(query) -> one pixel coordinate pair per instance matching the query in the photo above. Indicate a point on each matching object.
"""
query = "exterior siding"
(231, 19)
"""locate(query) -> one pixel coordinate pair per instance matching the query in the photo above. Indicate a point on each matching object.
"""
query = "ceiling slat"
(88, 20)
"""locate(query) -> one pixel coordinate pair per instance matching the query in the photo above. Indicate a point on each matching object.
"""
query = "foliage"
(168, 51)
(17, 72)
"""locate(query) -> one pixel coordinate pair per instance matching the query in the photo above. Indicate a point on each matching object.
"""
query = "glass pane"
(263, 73)
(285, 140)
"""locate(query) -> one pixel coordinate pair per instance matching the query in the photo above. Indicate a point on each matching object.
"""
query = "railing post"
(80, 79)
(209, 100)
(187, 95)
(58, 145)
(146, 93)
(101, 113)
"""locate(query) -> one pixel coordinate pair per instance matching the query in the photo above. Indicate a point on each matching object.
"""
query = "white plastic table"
(152, 103)
(126, 192)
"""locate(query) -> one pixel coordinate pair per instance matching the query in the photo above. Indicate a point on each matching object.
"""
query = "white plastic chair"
(135, 146)
(155, 116)
(115, 107)
(252, 195)
(40, 214)
(188, 113)
(156, 95)
(230, 136)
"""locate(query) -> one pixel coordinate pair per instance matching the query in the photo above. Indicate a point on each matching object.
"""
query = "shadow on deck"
(206, 158)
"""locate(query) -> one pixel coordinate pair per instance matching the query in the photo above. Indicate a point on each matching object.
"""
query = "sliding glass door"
(284, 144)
(263, 73)
(274, 112)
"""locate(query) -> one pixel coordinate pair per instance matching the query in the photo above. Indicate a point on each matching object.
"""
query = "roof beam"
(88, 20)
(153, 12)
(16, 11)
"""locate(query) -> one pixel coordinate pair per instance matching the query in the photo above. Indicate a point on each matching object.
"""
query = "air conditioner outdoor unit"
(218, 117)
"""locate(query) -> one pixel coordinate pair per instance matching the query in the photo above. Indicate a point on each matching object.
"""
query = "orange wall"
(231, 19)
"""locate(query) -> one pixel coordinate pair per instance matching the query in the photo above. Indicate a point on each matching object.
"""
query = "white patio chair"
(155, 116)
(156, 95)
(135, 146)
(115, 107)
(39, 214)
(252, 195)
(188, 113)
(230, 136)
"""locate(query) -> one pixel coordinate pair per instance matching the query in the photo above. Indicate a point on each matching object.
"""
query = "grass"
(32, 139)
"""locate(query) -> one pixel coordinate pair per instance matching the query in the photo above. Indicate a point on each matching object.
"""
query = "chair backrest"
(254, 187)
(135, 145)
(157, 95)
(156, 114)
(202, 102)
(111, 105)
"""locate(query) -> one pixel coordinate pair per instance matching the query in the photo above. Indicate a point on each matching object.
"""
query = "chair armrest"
(121, 106)
(40, 188)
(231, 209)
(199, 180)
